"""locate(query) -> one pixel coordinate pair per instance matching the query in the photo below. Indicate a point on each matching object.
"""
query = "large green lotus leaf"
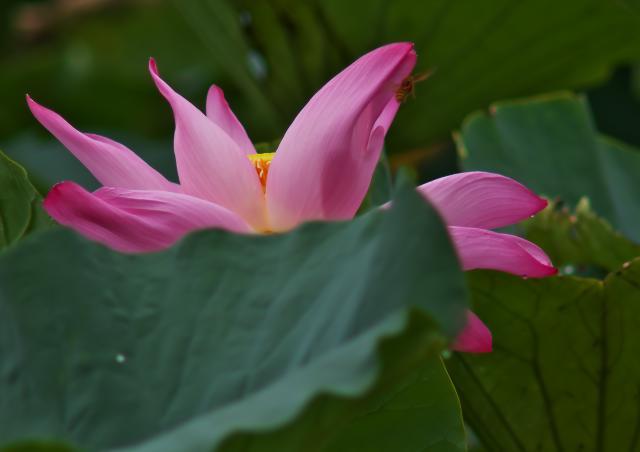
(578, 237)
(564, 374)
(20, 209)
(551, 145)
(299, 341)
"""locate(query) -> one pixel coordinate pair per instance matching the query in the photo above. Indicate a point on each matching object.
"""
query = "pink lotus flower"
(321, 171)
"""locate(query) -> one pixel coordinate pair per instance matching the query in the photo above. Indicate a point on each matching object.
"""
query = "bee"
(407, 87)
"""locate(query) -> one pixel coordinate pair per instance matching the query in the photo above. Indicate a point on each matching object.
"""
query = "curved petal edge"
(220, 113)
(475, 337)
(110, 162)
(483, 249)
(210, 164)
(135, 220)
(481, 200)
(325, 161)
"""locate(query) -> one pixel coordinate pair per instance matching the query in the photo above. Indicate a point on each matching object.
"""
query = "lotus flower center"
(262, 162)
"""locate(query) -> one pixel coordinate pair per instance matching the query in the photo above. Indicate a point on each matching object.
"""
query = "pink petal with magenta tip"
(210, 164)
(483, 249)
(475, 337)
(110, 162)
(136, 220)
(481, 200)
(324, 164)
(219, 112)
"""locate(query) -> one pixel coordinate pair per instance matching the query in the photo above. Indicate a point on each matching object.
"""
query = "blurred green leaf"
(550, 145)
(564, 373)
(616, 106)
(219, 28)
(579, 237)
(38, 446)
(309, 340)
(20, 203)
(93, 69)
(270, 56)
(503, 49)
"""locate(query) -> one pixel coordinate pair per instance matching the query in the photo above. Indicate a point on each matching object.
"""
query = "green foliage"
(616, 105)
(564, 372)
(301, 43)
(93, 69)
(38, 446)
(20, 203)
(272, 55)
(503, 49)
(326, 338)
(551, 145)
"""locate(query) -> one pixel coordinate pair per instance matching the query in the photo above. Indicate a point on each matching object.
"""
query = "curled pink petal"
(110, 162)
(219, 112)
(483, 249)
(324, 164)
(210, 164)
(136, 220)
(481, 200)
(475, 337)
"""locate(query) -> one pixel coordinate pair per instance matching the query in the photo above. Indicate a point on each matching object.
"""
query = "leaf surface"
(311, 340)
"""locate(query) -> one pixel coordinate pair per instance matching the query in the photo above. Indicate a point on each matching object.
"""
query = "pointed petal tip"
(544, 271)
(341, 130)
(33, 105)
(165, 90)
(541, 271)
(61, 186)
(41, 113)
(410, 48)
(475, 337)
(551, 271)
(539, 203)
(109, 162)
(489, 250)
(219, 111)
(56, 192)
(539, 265)
(543, 203)
(482, 199)
(135, 220)
(153, 66)
(219, 173)
(215, 89)
(45, 116)
(543, 267)
(476, 349)
(406, 45)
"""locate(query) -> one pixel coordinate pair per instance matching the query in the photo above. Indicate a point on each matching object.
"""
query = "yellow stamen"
(262, 162)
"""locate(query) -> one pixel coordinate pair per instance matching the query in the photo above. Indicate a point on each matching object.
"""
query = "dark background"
(87, 59)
